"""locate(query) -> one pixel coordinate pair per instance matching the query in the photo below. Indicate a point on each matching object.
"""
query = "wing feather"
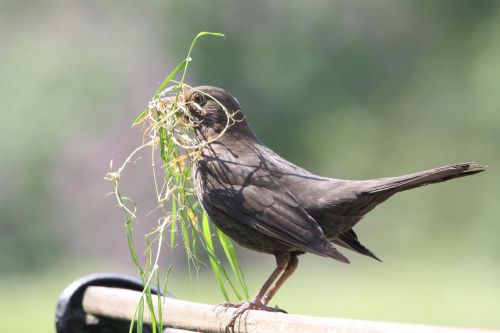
(276, 214)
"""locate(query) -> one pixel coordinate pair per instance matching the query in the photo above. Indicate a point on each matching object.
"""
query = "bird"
(267, 204)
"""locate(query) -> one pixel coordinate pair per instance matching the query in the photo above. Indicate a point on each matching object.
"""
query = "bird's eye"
(199, 98)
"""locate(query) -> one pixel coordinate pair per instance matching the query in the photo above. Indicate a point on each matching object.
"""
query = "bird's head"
(214, 111)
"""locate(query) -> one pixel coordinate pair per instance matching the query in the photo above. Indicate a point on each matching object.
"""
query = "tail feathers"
(422, 178)
(349, 240)
(332, 252)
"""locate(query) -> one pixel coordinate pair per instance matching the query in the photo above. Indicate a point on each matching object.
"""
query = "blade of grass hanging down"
(139, 317)
(221, 272)
(128, 231)
(186, 239)
(184, 221)
(158, 300)
(147, 295)
(131, 246)
(186, 235)
(216, 266)
(162, 134)
(232, 258)
(173, 225)
(149, 302)
(134, 319)
(224, 274)
(194, 243)
(155, 324)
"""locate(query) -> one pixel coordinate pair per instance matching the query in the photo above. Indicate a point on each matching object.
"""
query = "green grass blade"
(232, 258)
(158, 300)
(216, 266)
(162, 134)
(226, 277)
(140, 117)
(131, 246)
(149, 301)
(177, 69)
(193, 44)
(140, 315)
(173, 225)
(194, 243)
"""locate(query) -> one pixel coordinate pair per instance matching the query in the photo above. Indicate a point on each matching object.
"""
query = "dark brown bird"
(267, 204)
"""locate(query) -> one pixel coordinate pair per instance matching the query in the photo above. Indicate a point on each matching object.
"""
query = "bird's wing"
(273, 211)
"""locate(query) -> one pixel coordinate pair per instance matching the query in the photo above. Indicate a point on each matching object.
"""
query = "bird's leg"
(293, 263)
(256, 303)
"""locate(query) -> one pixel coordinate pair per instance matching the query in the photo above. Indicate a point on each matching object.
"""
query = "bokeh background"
(348, 89)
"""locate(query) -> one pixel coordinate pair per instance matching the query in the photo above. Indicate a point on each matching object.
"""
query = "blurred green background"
(348, 89)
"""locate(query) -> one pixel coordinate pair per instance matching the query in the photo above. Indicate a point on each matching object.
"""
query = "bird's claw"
(226, 305)
(277, 309)
(244, 307)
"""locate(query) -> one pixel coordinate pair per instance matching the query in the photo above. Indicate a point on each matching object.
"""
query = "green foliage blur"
(348, 89)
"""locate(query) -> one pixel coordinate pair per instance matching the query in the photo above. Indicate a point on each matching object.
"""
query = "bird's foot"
(226, 305)
(244, 307)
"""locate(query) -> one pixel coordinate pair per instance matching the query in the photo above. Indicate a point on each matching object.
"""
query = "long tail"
(437, 175)
(376, 191)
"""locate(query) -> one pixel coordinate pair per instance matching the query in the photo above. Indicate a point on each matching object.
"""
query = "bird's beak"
(183, 95)
(181, 105)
